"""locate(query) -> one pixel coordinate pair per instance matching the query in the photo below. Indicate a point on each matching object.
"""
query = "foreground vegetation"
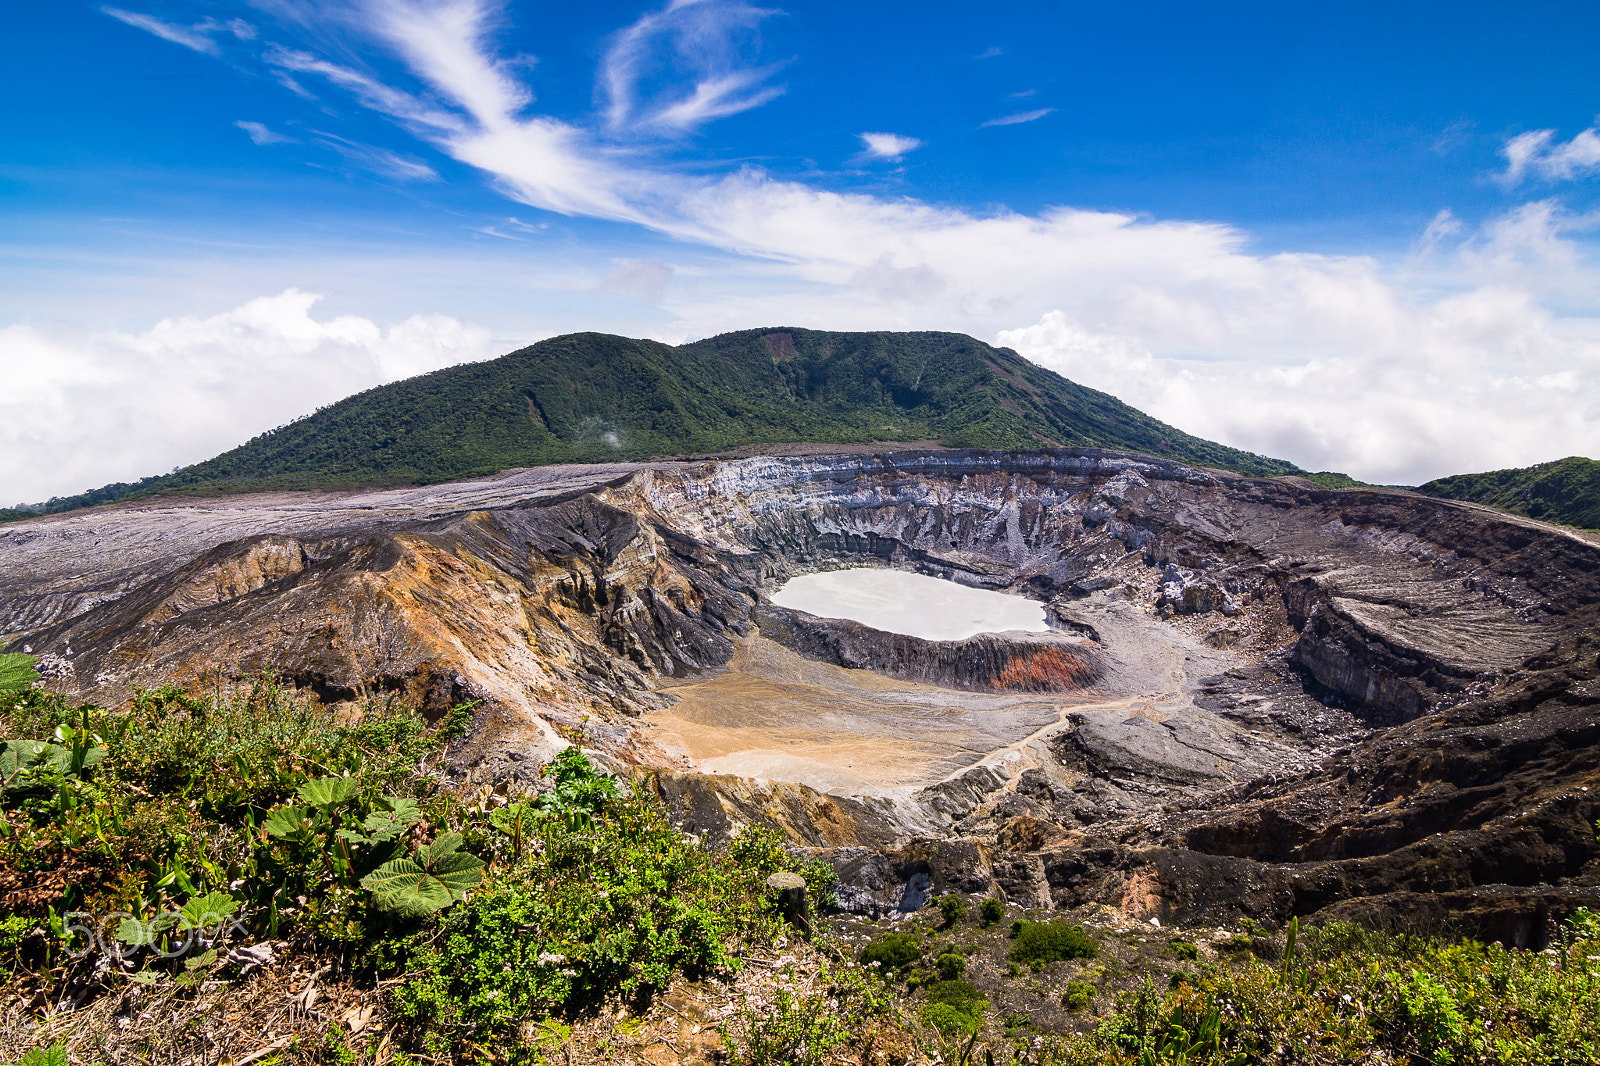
(242, 875)
(591, 397)
(1565, 491)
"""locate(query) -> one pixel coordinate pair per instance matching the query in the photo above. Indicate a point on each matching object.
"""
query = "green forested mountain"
(591, 397)
(1565, 491)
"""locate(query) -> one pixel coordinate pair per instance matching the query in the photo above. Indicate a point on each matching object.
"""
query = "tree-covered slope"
(590, 397)
(1565, 491)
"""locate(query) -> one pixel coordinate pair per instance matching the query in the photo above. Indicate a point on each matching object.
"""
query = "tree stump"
(791, 892)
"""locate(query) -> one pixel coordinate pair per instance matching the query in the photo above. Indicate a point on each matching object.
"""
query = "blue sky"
(1354, 238)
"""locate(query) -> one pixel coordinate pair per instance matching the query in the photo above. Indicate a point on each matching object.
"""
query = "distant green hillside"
(1565, 491)
(591, 397)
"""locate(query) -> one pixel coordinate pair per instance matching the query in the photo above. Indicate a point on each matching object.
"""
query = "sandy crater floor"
(775, 715)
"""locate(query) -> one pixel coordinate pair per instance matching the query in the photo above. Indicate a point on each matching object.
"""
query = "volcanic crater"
(1256, 696)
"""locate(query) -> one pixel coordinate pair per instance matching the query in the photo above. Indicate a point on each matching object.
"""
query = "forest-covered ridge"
(593, 397)
(1565, 491)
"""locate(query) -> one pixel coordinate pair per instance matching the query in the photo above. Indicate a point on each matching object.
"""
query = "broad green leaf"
(286, 822)
(441, 846)
(17, 674)
(134, 932)
(328, 792)
(207, 910)
(459, 872)
(22, 762)
(439, 875)
(201, 961)
(396, 804)
(401, 885)
(387, 824)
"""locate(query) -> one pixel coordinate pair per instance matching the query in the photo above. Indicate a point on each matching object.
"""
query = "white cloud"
(1537, 152)
(1019, 118)
(380, 161)
(195, 37)
(642, 279)
(260, 134)
(686, 64)
(191, 37)
(118, 406)
(402, 106)
(888, 145)
(1479, 381)
(1444, 224)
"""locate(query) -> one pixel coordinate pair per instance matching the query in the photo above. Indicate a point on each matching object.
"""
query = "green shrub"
(1077, 995)
(950, 966)
(617, 907)
(1039, 943)
(963, 994)
(950, 1021)
(954, 1008)
(1184, 950)
(991, 912)
(1419, 1015)
(892, 951)
(1237, 944)
(952, 908)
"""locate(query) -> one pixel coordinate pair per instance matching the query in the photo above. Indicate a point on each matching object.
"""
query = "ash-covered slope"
(592, 397)
(1259, 695)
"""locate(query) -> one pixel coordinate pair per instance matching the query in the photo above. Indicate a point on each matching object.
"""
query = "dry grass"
(303, 1014)
(299, 1013)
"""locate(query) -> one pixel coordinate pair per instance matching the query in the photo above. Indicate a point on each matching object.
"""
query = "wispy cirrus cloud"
(1019, 118)
(190, 38)
(379, 161)
(891, 146)
(196, 37)
(371, 92)
(1538, 153)
(686, 64)
(260, 134)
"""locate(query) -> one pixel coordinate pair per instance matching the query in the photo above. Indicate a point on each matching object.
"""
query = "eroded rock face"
(1259, 696)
